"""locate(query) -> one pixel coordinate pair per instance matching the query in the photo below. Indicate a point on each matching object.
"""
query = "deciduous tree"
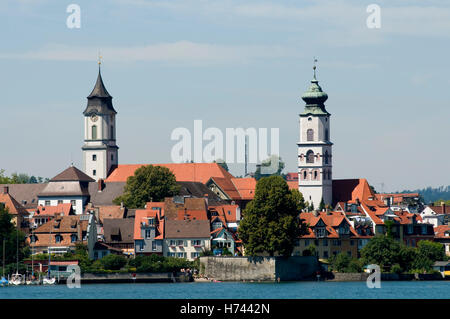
(149, 183)
(271, 220)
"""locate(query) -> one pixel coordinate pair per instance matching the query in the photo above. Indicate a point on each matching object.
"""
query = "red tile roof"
(440, 209)
(184, 214)
(292, 184)
(227, 186)
(332, 220)
(184, 172)
(245, 187)
(110, 211)
(14, 208)
(64, 209)
(345, 190)
(227, 212)
(141, 217)
(440, 231)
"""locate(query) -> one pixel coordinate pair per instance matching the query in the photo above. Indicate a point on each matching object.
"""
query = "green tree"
(271, 220)
(15, 245)
(267, 163)
(342, 262)
(322, 205)
(311, 250)
(383, 251)
(33, 180)
(427, 253)
(389, 224)
(149, 183)
(3, 178)
(113, 262)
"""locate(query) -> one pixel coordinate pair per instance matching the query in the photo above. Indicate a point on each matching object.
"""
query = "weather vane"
(314, 67)
(99, 58)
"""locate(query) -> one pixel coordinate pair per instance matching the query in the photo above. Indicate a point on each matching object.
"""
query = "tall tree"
(271, 222)
(322, 205)
(13, 239)
(149, 183)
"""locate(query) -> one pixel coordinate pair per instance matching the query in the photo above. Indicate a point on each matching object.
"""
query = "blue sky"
(231, 64)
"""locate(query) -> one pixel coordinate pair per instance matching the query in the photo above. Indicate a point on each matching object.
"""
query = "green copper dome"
(315, 98)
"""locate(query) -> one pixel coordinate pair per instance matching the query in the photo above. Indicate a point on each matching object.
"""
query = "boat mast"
(32, 259)
(3, 256)
(17, 248)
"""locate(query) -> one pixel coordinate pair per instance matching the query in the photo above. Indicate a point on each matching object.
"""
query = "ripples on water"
(236, 290)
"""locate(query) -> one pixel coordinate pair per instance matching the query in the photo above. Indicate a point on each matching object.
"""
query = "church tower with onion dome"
(315, 147)
(100, 152)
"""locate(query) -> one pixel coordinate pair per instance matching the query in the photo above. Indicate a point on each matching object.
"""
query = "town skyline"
(255, 81)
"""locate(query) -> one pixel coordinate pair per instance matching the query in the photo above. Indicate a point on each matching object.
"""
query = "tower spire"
(314, 68)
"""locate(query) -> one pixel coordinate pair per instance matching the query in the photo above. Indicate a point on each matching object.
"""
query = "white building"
(315, 148)
(70, 186)
(434, 215)
(100, 152)
(186, 238)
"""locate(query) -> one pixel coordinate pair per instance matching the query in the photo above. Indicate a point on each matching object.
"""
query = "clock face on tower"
(94, 118)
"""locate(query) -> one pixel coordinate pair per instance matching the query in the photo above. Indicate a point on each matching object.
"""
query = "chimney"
(5, 189)
(121, 205)
(443, 207)
(101, 185)
(315, 213)
(328, 211)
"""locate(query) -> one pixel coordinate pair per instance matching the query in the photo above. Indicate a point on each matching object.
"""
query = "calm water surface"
(236, 290)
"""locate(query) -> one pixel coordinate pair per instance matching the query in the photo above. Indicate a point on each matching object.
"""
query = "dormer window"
(320, 232)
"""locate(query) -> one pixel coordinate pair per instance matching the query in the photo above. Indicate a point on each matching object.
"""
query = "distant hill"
(431, 194)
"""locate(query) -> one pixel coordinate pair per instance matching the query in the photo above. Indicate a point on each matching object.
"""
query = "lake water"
(236, 290)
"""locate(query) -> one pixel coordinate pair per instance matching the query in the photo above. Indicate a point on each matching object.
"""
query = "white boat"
(17, 279)
(49, 281)
(32, 281)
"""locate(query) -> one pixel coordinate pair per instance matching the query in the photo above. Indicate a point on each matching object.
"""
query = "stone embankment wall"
(88, 278)
(336, 276)
(259, 268)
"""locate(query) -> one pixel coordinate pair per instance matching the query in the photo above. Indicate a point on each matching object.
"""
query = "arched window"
(94, 132)
(112, 132)
(304, 174)
(310, 157)
(327, 137)
(315, 174)
(310, 135)
(326, 157)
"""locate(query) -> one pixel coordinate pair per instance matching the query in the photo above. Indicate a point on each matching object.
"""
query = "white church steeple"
(100, 152)
(315, 147)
